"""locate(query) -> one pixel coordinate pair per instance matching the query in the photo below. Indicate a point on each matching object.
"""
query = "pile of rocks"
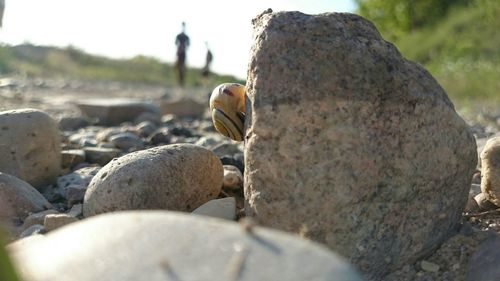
(176, 163)
(347, 144)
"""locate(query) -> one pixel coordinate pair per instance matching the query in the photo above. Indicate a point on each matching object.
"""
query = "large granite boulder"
(178, 177)
(30, 146)
(160, 245)
(350, 144)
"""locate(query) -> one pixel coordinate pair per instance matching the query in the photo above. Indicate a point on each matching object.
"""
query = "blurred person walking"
(2, 8)
(182, 42)
(208, 60)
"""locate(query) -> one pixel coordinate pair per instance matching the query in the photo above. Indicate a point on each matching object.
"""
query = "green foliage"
(462, 52)
(395, 18)
(73, 63)
(7, 272)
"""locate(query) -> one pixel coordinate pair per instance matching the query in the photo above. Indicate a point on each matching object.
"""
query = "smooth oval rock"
(19, 198)
(233, 178)
(490, 170)
(160, 245)
(30, 146)
(350, 144)
(126, 141)
(175, 177)
(223, 208)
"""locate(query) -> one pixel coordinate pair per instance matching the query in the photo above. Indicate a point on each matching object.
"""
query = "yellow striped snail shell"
(227, 104)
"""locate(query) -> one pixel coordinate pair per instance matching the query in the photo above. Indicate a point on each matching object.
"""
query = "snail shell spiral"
(227, 104)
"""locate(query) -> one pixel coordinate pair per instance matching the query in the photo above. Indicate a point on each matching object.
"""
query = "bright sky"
(125, 28)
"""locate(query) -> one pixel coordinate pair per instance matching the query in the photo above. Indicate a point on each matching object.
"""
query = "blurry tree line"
(397, 17)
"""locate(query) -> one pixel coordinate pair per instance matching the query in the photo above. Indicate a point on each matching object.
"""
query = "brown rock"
(483, 203)
(19, 198)
(100, 155)
(115, 111)
(349, 144)
(490, 171)
(30, 146)
(233, 179)
(71, 158)
(37, 218)
(175, 177)
(54, 221)
(185, 107)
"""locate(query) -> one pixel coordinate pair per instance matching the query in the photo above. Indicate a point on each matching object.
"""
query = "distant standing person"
(182, 42)
(208, 60)
(2, 8)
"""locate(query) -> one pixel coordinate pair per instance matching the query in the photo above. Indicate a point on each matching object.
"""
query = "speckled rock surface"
(483, 265)
(159, 245)
(349, 144)
(175, 177)
(490, 171)
(30, 146)
(19, 198)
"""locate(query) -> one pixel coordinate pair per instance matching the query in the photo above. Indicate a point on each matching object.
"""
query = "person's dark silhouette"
(182, 42)
(208, 60)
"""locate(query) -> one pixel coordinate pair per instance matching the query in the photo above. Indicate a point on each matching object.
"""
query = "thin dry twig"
(482, 214)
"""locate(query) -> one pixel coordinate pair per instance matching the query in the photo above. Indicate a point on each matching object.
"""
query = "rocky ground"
(88, 145)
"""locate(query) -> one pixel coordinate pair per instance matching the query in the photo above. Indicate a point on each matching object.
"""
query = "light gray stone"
(54, 221)
(227, 148)
(115, 111)
(350, 144)
(75, 194)
(126, 141)
(175, 246)
(32, 230)
(37, 218)
(490, 170)
(233, 178)
(154, 117)
(224, 208)
(183, 107)
(19, 198)
(106, 133)
(146, 128)
(100, 155)
(76, 211)
(30, 146)
(82, 176)
(175, 177)
(483, 203)
(72, 123)
(429, 266)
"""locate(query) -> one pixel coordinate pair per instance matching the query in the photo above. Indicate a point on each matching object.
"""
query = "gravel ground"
(449, 262)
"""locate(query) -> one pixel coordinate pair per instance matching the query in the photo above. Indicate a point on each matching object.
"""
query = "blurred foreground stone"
(349, 144)
(156, 245)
